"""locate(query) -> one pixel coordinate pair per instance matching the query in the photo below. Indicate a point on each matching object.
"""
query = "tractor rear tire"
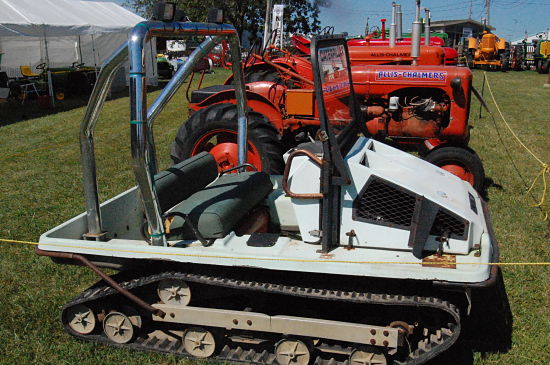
(461, 162)
(214, 129)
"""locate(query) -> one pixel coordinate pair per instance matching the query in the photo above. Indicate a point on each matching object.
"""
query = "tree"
(300, 15)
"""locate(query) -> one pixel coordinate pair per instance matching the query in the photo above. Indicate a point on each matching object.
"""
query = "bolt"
(373, 342)
(373, 331)
(386, 333)
(385, 343)
(249, 322)
(235, 321)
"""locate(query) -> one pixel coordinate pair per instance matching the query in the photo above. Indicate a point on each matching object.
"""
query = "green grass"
(40, 187)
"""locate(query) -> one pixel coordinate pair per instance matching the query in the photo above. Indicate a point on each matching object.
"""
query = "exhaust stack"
(383, 21)
(393, 26)
(415, 37)
(427, 27)
(399, 19)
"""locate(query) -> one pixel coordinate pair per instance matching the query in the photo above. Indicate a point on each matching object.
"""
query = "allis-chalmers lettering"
(391, 54)
(414, 76)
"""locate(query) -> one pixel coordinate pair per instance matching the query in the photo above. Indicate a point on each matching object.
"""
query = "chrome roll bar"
(87, 126)
(141, 120)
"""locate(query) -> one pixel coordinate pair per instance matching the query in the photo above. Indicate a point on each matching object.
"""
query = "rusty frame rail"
(102, 275)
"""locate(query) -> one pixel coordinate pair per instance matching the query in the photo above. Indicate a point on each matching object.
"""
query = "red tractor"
(422, 107)
(417, 107)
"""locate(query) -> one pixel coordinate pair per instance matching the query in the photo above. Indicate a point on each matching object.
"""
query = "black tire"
(538, 64)
(261, 134)
(545, 66)
(463, 157)
(505, 62)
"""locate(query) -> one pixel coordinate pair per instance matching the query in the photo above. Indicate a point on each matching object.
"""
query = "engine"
(422, 102)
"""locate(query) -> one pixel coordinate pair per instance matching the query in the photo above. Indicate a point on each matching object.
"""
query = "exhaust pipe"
(393, 26)
(399, 16)
(415, 37)
(427, 27)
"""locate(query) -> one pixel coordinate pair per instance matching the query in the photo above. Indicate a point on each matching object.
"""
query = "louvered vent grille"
(444, 222)
(385, 204)
(381, 202)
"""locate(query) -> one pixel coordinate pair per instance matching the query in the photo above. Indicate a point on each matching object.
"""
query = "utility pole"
(488, 10)
(267, 24)
(470, 12)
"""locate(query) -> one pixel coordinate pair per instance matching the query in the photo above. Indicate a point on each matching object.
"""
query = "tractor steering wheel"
(41, 66)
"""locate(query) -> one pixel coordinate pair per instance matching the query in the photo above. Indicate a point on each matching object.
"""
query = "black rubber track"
(261, 134)
(428, 348)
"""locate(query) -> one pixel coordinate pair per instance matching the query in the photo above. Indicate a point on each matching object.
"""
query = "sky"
(511, 18)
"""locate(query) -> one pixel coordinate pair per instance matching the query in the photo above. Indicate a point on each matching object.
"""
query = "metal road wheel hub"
(199, 342)
(118, 327)
(174, 292)
(292, 352)
(367, 356)
(81, 319)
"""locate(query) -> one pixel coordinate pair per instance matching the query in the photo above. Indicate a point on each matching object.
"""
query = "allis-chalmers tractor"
(416, 107)
(489, 52)
(358, 254)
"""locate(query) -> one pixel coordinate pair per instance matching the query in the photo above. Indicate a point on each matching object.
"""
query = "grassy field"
(40, 187)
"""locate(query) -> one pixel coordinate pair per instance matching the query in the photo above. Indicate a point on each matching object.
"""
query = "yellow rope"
(545, 167)
(281, 259)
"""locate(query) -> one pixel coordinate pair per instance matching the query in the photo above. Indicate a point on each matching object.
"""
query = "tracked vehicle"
(358, 254)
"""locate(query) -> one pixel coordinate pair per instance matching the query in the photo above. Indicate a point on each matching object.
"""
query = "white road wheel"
(199, 342)
(292, 351)
(174, 292)
(367, 356)
(81, 319)
(118, 327)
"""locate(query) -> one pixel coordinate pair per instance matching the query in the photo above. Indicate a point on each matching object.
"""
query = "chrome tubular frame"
(87, 126)
(141, 120)
(141, 144)
(172, 87)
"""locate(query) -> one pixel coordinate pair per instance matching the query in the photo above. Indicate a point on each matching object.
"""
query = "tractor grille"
(381, 202)
(385, 204)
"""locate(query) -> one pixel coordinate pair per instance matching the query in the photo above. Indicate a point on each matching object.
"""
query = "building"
(458, 30)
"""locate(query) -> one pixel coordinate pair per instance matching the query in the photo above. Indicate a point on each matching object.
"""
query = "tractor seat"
(201, 94)
(27, 71)
(216, 209)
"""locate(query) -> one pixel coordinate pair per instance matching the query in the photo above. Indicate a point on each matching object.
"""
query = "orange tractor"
(488, 52)
(417, 107)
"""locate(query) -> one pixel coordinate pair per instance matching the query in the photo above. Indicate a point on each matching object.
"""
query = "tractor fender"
(256, 102)
(295, 64)
(433, 144)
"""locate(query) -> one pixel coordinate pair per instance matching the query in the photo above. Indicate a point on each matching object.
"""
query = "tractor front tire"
(214, 129)
(461, 162)
(545, 67)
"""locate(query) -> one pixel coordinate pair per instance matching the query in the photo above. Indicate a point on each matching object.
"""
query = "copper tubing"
(102, 275)
(286, 189)
(284, 69)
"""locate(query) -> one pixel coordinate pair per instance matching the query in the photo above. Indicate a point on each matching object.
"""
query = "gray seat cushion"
(216, 209)
(184, 179)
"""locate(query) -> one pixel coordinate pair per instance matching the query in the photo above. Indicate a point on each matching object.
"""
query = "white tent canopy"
(60, 32)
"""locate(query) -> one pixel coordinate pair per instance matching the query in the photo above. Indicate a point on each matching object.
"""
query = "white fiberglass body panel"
(378, 251)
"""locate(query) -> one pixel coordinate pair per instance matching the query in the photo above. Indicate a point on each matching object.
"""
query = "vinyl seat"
(216, 209)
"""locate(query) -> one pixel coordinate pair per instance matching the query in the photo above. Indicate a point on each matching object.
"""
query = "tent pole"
(50, 82)
(95, 58)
